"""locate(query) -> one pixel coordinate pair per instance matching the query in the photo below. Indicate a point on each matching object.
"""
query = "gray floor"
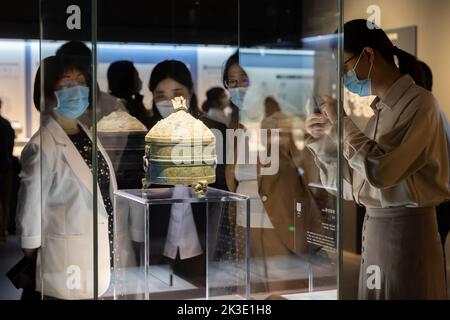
(10, 254)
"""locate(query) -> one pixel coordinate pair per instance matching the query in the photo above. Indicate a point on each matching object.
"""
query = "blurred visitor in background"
(124, 83)
(7, 137)
(442, 210)
(216, 119)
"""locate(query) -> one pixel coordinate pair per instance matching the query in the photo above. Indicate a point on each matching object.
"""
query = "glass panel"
(393, 125)
(179, 51)
(260, 144)
(64, 153)
(276, 80)
(285, 55)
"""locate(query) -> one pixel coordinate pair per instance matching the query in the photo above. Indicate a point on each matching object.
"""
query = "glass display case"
(281, 79)
(268, 226)
(146, 266)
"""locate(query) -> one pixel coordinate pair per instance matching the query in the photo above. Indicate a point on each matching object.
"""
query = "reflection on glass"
(164, 240)
(390, 167)
(59, 158)
(293, 215)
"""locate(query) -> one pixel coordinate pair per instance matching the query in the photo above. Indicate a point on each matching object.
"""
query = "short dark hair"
(215, 93)
(120, 76)
(54, 68)
(76, 50)
(212, 95)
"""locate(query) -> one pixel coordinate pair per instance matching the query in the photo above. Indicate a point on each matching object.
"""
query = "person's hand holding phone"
(329, 109)
(318, 122)
(317, 125)
(313, 105)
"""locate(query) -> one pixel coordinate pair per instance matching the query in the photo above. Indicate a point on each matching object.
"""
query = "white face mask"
(166, 108)
(237, 96)
(228, 112)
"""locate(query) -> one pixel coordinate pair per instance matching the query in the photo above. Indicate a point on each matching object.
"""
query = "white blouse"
(182, 234)
(401, 158)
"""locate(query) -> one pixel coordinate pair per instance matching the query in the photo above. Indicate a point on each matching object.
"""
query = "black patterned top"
(84, 146)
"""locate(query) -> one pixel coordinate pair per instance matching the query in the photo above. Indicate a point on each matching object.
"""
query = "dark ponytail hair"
(361, 33)
(408, 64)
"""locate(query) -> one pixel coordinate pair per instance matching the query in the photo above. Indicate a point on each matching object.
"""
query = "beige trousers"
(402, 256)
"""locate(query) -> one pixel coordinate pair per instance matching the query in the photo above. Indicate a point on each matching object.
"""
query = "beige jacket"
(401, 158)
(284, 191)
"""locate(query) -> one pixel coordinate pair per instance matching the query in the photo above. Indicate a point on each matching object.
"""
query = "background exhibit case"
(277, 233)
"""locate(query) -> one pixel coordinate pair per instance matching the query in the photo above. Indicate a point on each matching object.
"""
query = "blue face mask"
(73, 101)
(363, 88)
(237, 96)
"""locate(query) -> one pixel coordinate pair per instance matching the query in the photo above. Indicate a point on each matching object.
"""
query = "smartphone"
(318, 104)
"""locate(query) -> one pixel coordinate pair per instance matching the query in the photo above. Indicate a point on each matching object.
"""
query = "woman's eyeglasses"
(234, 83)
(351, 58)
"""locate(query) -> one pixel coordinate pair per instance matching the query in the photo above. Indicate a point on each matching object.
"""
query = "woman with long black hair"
(177, 231)
(397, 168)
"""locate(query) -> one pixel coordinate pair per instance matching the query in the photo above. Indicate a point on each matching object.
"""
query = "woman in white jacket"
(55, 211)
